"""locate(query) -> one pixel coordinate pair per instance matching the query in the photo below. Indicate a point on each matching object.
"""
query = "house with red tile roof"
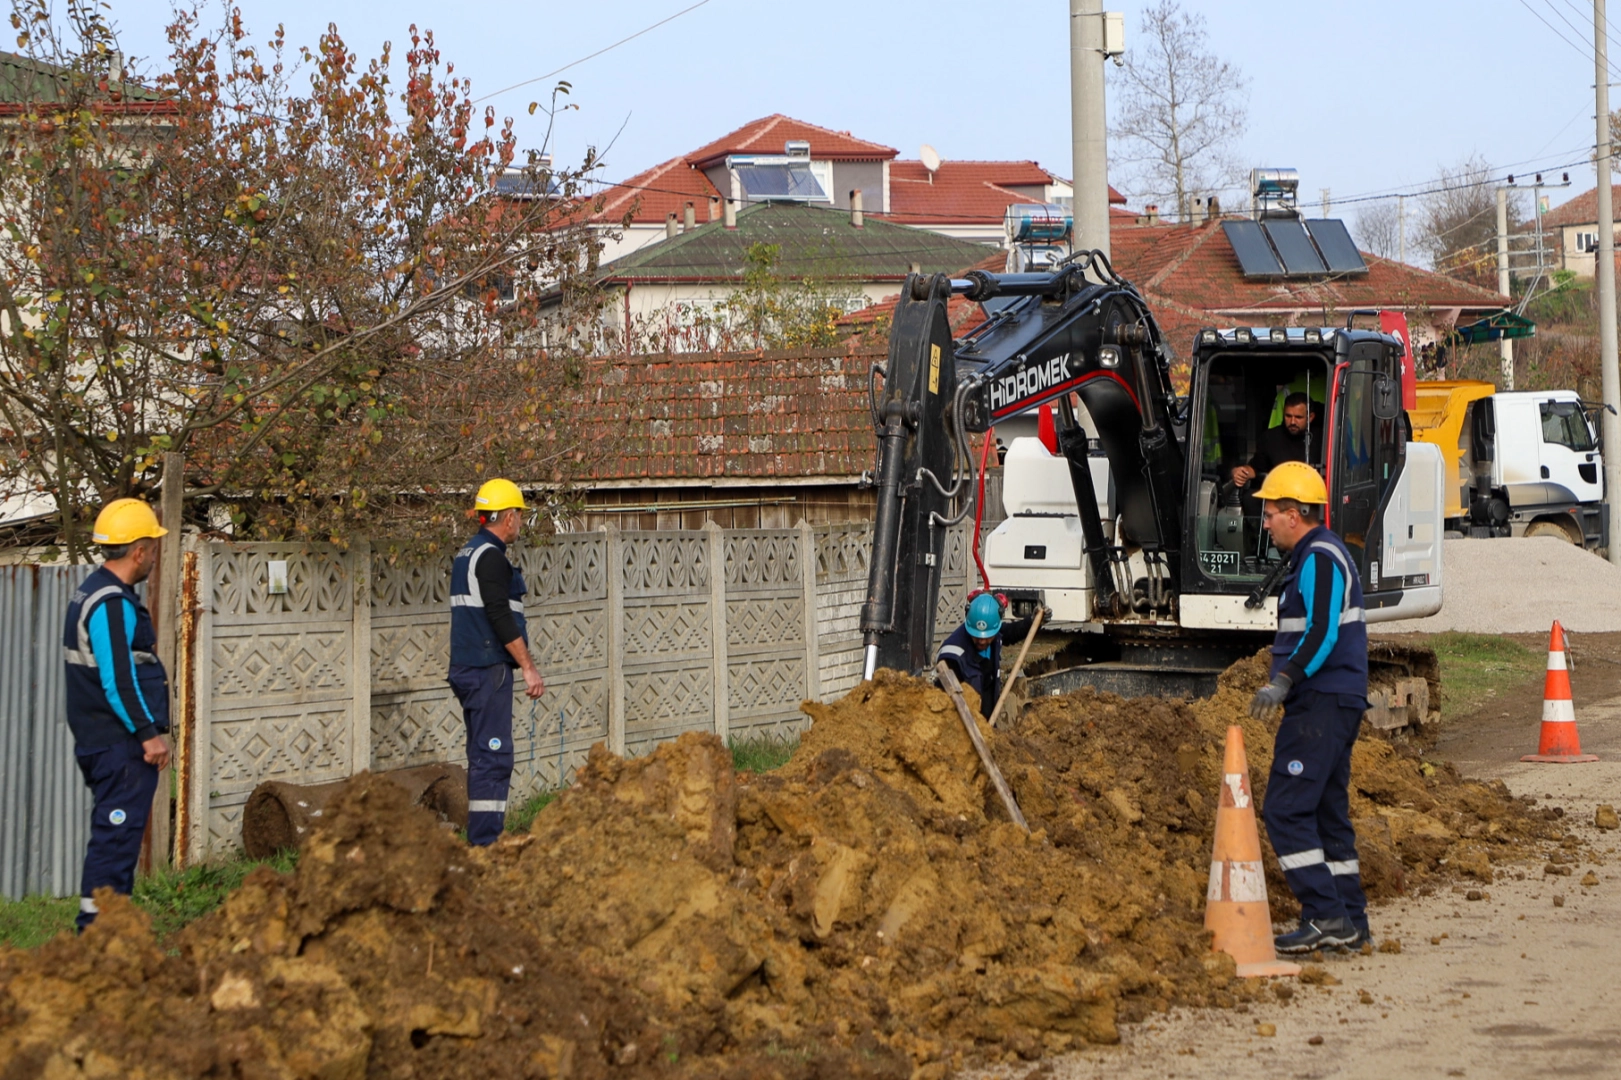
(779, 157)
(1571, 231)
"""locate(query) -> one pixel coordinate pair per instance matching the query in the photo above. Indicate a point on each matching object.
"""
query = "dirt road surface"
(1525, 981)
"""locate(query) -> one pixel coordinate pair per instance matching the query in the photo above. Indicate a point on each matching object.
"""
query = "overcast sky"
(1362, 96)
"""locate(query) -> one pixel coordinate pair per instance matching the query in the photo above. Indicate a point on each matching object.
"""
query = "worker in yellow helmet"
(1320, 678)
(117, 697)
(488, 640)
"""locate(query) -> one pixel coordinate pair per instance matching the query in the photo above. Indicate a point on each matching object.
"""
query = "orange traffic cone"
(1559, 743)
(1236, 909)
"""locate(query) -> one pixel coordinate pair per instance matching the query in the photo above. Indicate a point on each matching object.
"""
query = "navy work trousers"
(123, 784)
(1308, 804)
(486, 697)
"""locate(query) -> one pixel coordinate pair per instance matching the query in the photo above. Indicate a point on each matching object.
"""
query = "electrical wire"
(1587, 47)
(593, 56)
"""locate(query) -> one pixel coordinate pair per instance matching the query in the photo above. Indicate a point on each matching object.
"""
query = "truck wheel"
(1551, 528)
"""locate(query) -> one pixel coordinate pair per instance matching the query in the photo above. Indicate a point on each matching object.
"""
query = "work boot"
(1364, 936)
(1316, 934)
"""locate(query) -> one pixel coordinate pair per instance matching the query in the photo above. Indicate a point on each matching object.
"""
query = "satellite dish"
(930, 157)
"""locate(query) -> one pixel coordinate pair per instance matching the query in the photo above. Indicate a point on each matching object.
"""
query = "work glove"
(1046, 615)
(1270, 696)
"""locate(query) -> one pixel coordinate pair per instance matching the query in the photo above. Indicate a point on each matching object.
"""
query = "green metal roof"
(24, 79)
(815, 242)
(1503, 324)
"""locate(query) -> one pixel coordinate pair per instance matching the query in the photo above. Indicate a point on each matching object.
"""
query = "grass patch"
(176, 897)
(762, 755)
(172, 898)
(34, 920)
(1477, 667)
(519, 820)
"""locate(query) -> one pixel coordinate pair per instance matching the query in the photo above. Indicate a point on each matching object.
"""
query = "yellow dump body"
(1439, 419)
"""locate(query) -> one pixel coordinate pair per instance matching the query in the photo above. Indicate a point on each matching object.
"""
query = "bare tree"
(1180, 111)
(1378, 229)
(1457, 221)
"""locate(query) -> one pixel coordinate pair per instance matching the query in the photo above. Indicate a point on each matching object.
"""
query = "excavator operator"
(1286, 442)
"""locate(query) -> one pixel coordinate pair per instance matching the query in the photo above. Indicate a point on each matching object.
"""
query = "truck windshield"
(1257, 412)
(1564, 425)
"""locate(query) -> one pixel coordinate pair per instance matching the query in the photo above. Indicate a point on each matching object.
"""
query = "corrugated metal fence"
(44, 805)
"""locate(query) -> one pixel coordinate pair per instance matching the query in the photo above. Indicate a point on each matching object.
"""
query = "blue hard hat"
(984, 616)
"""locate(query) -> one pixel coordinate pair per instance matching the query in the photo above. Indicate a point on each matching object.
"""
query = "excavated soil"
(867, 910)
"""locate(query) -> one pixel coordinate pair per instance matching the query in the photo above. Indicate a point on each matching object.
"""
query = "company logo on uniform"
(495, 744)
(1027, 382)
(1296, 768)
(116, 817)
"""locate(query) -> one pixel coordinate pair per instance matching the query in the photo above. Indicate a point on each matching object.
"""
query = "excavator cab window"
(1257, 411)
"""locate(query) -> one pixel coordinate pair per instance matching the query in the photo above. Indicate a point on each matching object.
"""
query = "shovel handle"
(1018, 666)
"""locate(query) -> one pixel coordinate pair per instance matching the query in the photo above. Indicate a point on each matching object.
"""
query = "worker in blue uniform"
(1320, 678)
(488, 640)
(117, 697)
(974, 649)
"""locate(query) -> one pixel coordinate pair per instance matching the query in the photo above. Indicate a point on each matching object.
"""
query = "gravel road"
(1511, 586)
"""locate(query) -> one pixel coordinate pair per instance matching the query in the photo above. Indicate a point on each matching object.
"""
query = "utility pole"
(1401, 228)
(1609, 418)
(1505, 344)
(1088, 125)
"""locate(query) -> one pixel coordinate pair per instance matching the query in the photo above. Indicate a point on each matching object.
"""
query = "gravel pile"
(1511, 586)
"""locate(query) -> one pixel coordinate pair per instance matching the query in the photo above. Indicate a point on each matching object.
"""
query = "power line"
(1580, 14)
(593, 56)
(1583, 50)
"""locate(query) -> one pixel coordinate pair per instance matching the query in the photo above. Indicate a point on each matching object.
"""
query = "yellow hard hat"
(499, 494)
(124, 521)
(1294, 480)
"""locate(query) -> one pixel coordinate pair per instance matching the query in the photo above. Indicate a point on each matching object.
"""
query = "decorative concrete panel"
(418, 728)
(301, 745)
(317, 582)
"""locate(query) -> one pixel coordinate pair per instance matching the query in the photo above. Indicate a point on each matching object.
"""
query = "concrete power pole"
(1610, 421)
(1088, 125)
(1505, 345)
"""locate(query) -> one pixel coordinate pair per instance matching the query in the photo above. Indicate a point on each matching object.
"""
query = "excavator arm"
(1079, 329)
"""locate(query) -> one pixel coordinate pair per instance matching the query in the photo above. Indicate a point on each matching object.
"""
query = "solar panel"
(780, 182)
(1254, 253)
(1294, 247)
(1339, 252)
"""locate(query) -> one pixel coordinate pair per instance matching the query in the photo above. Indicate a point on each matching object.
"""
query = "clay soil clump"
(867, 910)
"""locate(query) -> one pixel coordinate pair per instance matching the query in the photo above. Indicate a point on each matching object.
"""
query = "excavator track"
(1404, 681)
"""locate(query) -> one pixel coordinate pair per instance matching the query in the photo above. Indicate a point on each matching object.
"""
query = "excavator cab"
(1246, 425)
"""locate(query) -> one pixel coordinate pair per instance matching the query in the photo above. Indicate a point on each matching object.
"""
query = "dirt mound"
(867, 910)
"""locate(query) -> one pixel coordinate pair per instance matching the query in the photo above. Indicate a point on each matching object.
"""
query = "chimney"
(1212, 209)
(670, 226)
(731, 214)
(1151, 214)
(689, 219)
(856, 218)
(714, 208)
(115, 66)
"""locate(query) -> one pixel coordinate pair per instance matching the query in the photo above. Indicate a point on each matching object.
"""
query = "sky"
(1365, 98)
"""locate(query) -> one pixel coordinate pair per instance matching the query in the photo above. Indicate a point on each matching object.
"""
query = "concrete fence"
(305, 663)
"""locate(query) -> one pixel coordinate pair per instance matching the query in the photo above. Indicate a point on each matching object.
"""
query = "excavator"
(1128, 524)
